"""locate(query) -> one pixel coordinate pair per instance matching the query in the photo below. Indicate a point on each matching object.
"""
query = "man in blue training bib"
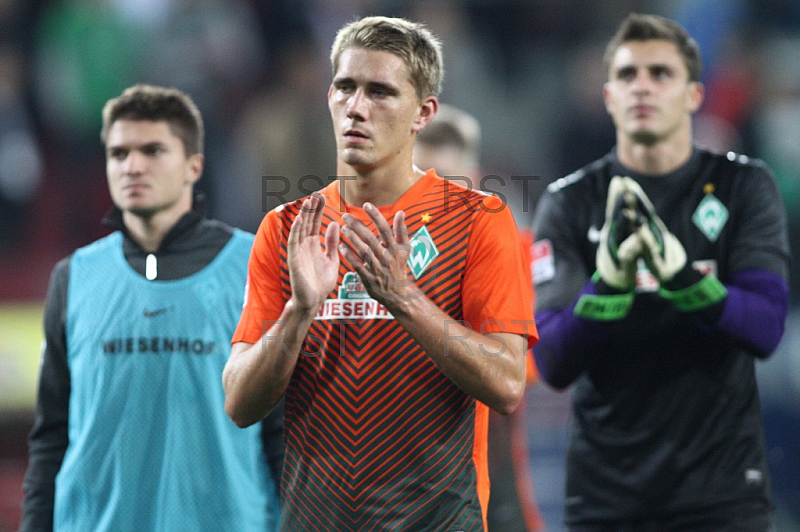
(130, 430)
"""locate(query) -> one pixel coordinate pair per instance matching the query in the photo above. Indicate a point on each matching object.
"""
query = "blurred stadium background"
(529, 70)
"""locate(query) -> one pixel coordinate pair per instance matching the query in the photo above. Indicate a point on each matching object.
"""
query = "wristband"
(703, 294)
(604, 307)
(685, 278)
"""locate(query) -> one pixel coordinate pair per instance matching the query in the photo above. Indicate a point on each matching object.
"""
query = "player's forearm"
(257, 375)
(49, 437)
(488, 367)
(755, 310)
(47, 445)
(567, 343)
(39, 488)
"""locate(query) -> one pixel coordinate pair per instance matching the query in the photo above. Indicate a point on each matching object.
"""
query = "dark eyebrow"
(626, 69)
(141, 147)
(660, 67)
(652, 69)
(152, 145)
(375, 85)
(337, 82)
(372, 85)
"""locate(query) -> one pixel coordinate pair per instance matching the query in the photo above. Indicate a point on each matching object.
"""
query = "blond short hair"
(419, 49)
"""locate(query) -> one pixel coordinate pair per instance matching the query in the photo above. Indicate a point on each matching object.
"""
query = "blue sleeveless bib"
(151, 448)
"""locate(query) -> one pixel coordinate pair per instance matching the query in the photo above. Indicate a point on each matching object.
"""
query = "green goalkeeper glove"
(686, 288)
(620, 243)
(663, 252)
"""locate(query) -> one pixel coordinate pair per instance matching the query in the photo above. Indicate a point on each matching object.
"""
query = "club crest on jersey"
(352, 287)
(710, 217)
(423, 252)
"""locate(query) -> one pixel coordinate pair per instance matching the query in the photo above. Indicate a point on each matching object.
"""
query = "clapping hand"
(620, 244)
(313, 270)
(381, 260)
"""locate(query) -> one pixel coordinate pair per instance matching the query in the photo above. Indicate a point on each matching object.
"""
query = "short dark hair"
(639, 27)
(412, 42)
(148, 102)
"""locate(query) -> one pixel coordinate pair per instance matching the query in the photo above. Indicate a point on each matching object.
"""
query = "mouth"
(135, 188)
(354, 135)
(642, 110)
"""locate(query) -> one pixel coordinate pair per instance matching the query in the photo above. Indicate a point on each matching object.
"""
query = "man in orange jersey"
(451, 145)
(386, 358)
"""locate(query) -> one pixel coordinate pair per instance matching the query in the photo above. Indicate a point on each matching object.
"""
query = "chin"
(646, 137)
(355, 161)
(141, 211)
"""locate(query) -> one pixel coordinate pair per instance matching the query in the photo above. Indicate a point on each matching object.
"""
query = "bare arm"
(256, 375)
(489, 367)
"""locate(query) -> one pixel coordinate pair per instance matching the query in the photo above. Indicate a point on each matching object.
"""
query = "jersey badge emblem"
(352, 287)
(710, 217)
(354, 303)
(543, 264)
(423, 252)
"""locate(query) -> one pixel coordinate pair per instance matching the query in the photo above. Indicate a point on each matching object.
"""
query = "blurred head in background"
(450, 144)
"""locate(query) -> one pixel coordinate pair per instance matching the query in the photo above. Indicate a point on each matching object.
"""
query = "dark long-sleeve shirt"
(666, 413)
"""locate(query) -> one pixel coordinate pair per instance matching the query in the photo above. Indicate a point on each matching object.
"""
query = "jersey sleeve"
(526, 240)
(263, 299)
(761, 241)
(561, 273)
(49, 437)
(559, 270)
(497, 294)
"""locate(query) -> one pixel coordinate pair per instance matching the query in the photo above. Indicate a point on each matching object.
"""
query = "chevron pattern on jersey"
(377, 437)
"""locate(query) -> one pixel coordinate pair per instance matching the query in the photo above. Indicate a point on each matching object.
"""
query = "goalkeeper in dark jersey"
(661, 278)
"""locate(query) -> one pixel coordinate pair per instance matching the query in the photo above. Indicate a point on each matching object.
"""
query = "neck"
(657, 159)
(149, 231)
(379, 186)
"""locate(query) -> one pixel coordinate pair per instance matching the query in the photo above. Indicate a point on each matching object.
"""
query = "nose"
(641, 84)
(133, 163)
(356, 105)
